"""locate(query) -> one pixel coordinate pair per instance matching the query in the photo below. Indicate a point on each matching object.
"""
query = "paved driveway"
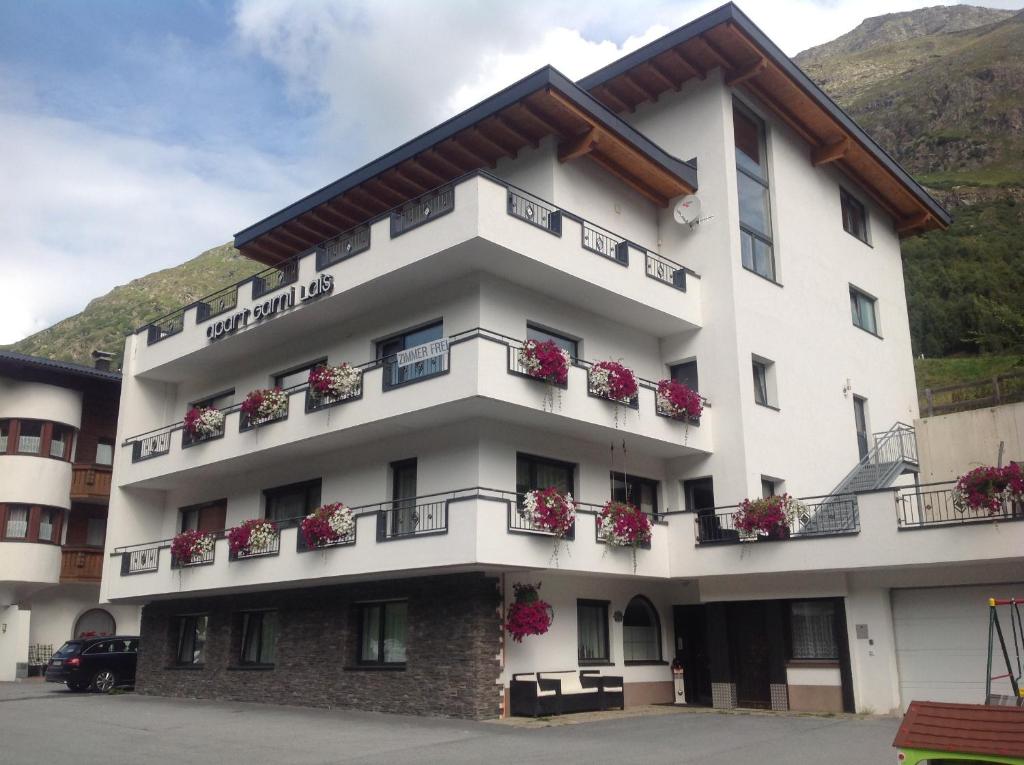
(47, 725)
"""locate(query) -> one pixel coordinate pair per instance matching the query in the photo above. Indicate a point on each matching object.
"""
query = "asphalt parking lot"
(46, 724)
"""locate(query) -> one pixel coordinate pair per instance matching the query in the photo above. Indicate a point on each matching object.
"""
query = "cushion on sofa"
(572, 685)
(614, 690)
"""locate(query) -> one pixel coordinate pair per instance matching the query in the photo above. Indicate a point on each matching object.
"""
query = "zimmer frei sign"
(425, 352)
(271, 307)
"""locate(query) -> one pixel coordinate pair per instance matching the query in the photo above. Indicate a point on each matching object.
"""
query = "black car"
(96, 663)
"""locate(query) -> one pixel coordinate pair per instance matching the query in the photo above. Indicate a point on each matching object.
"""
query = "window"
(191, 646)
(685, 373)
(95, 622)
(403, 518)
(382, 631)
(592, 631)
(860, 420)
(105, 452)
(641, 631)
(752, 186)
(641, 492)
(812, 624)
(17, 522)
(768, 487)
(862, 306)
(30, 436)
(206, 517)
(761, 383)
(47, 521)
(95, 532)
(855, 219)
(395, 375)
(699, 494)
(221, 400)
(296, 375)
(259, 637)
(5, 431)
(540, 473)
(292, 501)
(565, 343)
(60, 441)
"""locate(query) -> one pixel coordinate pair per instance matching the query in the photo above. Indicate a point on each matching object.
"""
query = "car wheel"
(103, 681)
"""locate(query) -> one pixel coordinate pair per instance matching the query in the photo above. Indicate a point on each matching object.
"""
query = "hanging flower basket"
(545, 361)
(551, 511)
(528, 614)
(678, 401)
(989, 489)
(328, 525)
(613, 381)
(265, 405)
(203, 422)
(621, 524)
(256, 536)
(768, 517)
(190, 548)
(330, 384)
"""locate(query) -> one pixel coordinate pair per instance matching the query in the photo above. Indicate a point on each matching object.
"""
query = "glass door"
(861, 418)
(403, 514)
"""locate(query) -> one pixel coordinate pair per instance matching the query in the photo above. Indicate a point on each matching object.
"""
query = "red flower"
(621, 380)
(624, 524)
(528, 615)
(766, 516)
(183, 546)
(240, 536)
(989, 488)
(678, 400)
(546, 361)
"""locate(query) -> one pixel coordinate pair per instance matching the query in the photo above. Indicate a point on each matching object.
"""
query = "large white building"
(547, 212)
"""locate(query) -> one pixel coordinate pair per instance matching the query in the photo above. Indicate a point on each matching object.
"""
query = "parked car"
(95, 663)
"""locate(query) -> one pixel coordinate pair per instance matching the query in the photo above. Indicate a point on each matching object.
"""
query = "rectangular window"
(567, 344)
(382, 632)
(592, 631)
(221, 400)
(862, 306)
(403, 518)
(394, 374)
(767, 487)
(17, 522)
(292, 501)
(812, 625)
(699, 494)
(47, 521)
(95, 532)
(191, 645)
(761, 383)
(30, 436)
(206, 517)
(855, 219)
(5, 431)
(685, 373)
(259, 637)
(297, 375)
(754, 199)
(640, 492)
(60, 441)
(540, 473)
(105, 452)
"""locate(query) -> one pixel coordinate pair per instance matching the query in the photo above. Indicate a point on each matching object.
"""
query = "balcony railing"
(931, 506)
(90, 482)
(407, 216)
(248, 422)
(829, 516)
(144, 560)
(273, 547)
(204, 559)
(81, 564)
(157, 442)
(191, 439)
(410, 518)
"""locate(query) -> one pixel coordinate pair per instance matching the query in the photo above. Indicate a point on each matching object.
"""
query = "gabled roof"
(963, 729)
(542, 104)
(11, 361)
(727, 39)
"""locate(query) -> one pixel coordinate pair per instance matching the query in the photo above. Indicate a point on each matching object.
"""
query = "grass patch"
(937, 373)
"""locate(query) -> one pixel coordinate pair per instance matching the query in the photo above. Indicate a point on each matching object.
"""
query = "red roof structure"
(962, 728)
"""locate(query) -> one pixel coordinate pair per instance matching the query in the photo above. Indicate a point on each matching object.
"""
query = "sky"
(135, 134)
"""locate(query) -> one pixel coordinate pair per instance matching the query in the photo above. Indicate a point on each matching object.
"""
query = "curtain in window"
(57, 442)
(4, 430)
(813, 628)
(370, 644)
(395, 615)
(104, 453)
(259, 637)
(760, 384)
(95, 532)
(640, 639)
(17, 522)
(592, 625)
(29, 437)
(191, 640)
(46, 524)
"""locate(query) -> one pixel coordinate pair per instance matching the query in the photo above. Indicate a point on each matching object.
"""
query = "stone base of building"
(452, 648)
(723, 695)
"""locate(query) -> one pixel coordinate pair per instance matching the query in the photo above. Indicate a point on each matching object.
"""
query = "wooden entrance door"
(691, 650)
(750, 643)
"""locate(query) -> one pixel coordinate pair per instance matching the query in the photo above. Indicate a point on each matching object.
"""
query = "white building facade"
(547, 213)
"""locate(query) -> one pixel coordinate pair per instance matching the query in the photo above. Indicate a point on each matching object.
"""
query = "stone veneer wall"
(452, 646)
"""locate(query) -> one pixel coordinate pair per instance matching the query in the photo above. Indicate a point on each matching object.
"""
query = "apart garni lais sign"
(271, 307)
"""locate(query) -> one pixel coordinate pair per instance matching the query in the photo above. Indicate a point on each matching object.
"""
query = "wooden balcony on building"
(90, 483)
(81, 564)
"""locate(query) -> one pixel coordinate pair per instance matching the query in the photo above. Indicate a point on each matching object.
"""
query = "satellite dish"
(687, 211)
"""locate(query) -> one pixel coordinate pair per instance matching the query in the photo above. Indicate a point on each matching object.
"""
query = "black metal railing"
(665, 271)
(274, 278)
(933, 505)
(273, 547)
(605, 244)
(395, 375)
(204, 559)
(521, 522)
(191, 439)
(632, 403)
(430, 206)
(166, 326)
(153, 445)
(347, 245)
(317, 401)
(533, 210)
(831, 516)
(219, 302)
(248, 422)
(407, 519)
(348, 539)
(142, 561)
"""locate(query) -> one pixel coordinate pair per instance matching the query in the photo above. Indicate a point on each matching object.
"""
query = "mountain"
(942, 90)
(107, 319)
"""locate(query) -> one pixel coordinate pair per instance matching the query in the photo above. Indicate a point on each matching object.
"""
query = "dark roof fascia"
(545, 77)
(10, 359)
(729, 12)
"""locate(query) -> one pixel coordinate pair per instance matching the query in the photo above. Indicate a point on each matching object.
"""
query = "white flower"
(209, 423)
(342, 521)
(262, 536)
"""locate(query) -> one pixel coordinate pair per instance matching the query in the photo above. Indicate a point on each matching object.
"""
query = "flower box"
(192, 548)
(989, 489)
(544, 361)
(263, 406)
(254, 538)
(768, 517)
(678, 402)
(612, 381)
(202, 424)
(329, 386)
(330, 525)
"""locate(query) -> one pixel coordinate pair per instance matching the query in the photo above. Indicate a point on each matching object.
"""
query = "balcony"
(830, 516)
(90, 483)
(467, 527)
(477, 224)
(81, 564)
(482, 377)
(930, 506)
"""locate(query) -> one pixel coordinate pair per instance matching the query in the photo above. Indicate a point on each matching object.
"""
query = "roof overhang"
(543, 104)
(726, 39)
(23, 366)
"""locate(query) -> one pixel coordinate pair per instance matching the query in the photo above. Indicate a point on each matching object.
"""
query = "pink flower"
(528, 615)
(545, 361)
(677, 400)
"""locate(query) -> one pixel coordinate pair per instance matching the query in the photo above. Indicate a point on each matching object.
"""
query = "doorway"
(691, 650)
(860, 416)
(750, 652)
(403, 492)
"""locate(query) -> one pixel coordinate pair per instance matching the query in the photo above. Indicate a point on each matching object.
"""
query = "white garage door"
(942, 642)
